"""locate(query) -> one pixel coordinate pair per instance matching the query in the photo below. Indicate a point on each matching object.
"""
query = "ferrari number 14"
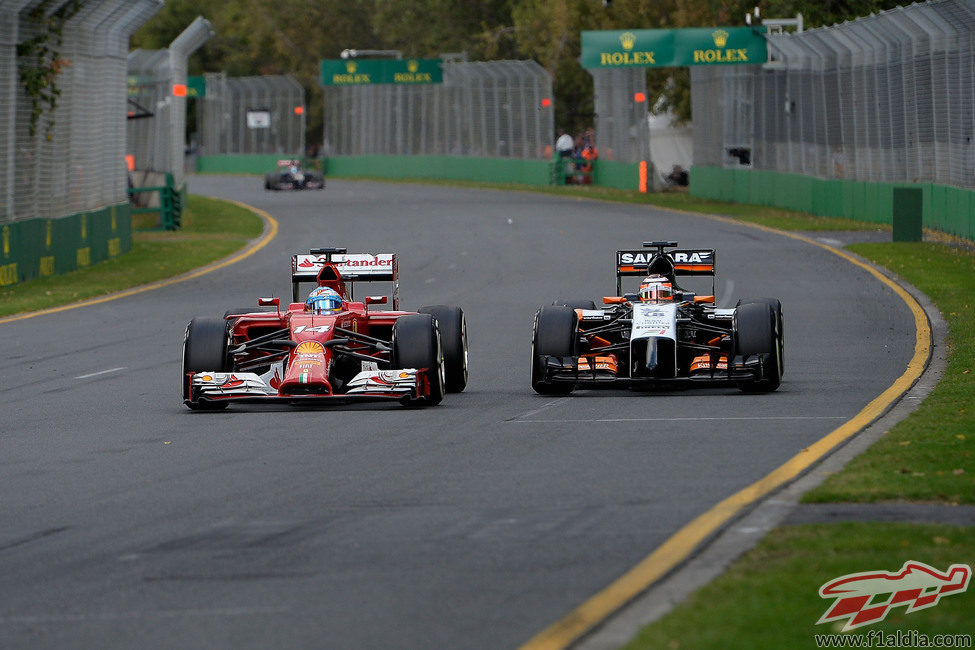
(329, 347)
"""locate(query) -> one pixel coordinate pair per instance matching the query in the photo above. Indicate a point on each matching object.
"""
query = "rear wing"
(335, 267)
(671, 264)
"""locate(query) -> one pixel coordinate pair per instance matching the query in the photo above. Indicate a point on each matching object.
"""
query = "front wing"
(404, 385)
(580, 370)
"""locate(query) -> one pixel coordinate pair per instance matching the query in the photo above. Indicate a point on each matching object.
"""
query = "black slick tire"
(247, 310)
(776, 307)
(756, 334)
(576, 304)
(416, 344)
(204, 348)
(555, 334)
(453, 339)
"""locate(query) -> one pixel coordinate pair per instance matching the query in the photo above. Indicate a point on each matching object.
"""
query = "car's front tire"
(204, 348)
(453, 338)
(556, 334)
(776, 306)
(757, 333)
(416, 344)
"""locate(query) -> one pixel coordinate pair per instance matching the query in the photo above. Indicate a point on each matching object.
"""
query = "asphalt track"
(129, 521)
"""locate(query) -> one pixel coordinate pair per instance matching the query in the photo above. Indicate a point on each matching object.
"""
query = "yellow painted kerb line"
(270, 232)
(676, 549)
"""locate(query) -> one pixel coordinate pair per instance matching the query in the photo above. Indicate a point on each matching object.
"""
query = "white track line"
(546, 405)
(100, 372)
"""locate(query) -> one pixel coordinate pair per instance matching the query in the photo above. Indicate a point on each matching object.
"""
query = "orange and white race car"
(662, 335)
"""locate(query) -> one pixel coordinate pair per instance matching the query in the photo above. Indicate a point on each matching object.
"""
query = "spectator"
(589, 154)
(564, 145)
(677, 176)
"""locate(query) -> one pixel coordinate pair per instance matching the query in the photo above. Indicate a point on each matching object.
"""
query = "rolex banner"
(361, 72)
(649, 48)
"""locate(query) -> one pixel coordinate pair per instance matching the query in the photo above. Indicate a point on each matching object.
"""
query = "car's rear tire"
(247, 310)
(416, 344)
(756, 334)
(576, 304)
(556, 334)
(453, 339)
(204, 348)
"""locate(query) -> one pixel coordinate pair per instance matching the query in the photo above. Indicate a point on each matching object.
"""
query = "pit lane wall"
(607, 173)
(946, 208)
(33, 248)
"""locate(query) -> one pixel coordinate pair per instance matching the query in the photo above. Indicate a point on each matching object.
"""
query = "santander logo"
(371, 261)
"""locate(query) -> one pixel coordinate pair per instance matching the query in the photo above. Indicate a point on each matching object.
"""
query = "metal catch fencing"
(886, 98)
(74, 159)
(622, 130)
(253, 115)
(489, 109)
(157, 124)
(150, 82)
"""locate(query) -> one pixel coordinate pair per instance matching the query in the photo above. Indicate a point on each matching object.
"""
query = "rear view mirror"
(268, 302)
(376, 300)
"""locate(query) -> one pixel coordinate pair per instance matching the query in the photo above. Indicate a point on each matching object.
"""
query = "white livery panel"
(657, 321)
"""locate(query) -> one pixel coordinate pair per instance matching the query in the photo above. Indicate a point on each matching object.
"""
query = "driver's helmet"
(324, 300)
(656, 288)
(293, 169)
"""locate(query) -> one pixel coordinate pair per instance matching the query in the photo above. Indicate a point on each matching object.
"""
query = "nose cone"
(307, 372)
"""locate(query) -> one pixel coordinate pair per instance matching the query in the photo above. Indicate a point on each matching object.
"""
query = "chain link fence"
(253, 115)
(886, 98)
(622, 129)
(74, 159)
(489, 109)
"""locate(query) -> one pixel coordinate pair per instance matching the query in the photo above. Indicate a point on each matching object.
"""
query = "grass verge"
(212, 229)
(770, 598)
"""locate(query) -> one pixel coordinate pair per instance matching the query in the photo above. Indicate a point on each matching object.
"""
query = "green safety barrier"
(171, 202)
(943, 207)
(606, 173)
(35, 248)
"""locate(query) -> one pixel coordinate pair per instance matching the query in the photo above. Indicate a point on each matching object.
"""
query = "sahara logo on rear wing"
(362, 267)
(685, 262)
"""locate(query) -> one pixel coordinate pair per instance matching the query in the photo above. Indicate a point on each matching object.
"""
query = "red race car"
(328, 348)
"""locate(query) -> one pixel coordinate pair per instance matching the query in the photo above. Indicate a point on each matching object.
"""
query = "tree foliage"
(291, 36)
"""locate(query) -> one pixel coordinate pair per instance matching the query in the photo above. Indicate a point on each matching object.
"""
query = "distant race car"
(329, 348)
(662, 336)
(290, 176)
